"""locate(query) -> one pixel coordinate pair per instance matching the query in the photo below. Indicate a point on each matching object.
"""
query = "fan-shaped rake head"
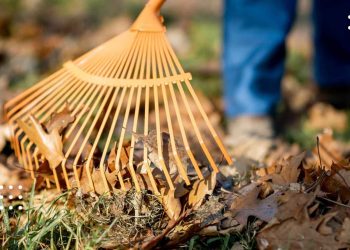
(113, 93)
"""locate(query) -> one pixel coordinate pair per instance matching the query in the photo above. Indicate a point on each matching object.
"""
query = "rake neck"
(150, 19)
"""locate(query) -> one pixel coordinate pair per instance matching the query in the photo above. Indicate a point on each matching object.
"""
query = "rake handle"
(155, 5)
(149, 18)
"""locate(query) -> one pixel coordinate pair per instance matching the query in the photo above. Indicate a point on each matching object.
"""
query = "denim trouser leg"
(254, 53)
(332, 42)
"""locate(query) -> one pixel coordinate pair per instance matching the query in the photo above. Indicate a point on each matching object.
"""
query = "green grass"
(58, 225)
(51, 226)
(298, 66)
(41, 227)
(205, 37)
(77, 221)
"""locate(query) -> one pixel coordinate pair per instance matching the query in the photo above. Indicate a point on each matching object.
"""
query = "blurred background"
(37, 36)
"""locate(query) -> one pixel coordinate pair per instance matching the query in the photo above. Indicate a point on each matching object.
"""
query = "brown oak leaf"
(293, 205)
(248, 204)
(49, 144)
(288, 171)
(302, 234)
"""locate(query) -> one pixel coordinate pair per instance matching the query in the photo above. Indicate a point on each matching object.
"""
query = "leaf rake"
(111, 91)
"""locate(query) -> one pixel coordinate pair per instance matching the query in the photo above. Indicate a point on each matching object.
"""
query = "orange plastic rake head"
(111, 94)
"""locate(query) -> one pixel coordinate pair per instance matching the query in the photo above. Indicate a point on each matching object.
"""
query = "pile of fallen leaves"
(299, 202)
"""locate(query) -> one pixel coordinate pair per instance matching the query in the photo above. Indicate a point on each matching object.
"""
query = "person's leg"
(253, 65)
(254, 53)
(332, 51)
(332, 42)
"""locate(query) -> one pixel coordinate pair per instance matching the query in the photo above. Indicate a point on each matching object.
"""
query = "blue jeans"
(254, 50)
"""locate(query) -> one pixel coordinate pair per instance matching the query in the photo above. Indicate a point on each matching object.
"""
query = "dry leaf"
(111, 178)
(293, 205)
(288, 171)
(335, 181)
(248, 204)
(172, 206)
(96, 179)
(111, 158)
(330, 149)
(124, 156)
(150, 141)
(60, 120)
(293, 234)
(323, 115)
(144, 181)
(200, 189)
(180, 190)
(49, 144)
(338, 185)
(77, 146)
(5, 135)
(323, 228)
(344, 236)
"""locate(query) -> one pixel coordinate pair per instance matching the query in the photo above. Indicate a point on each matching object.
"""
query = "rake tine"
(87, 118)
(196, 130)
(211, 129)
(32, 93)
(189, 111)
(145, 154)
(73, 126)
(92, 126)
(102, 170)
(137, 109)
(156, 107)
(126, 116)
(70, 148)
(120, 145)
(146, 121)
(179, 164)
(166, 57)
(110, 133)
(39, 100)
(199, 106)
(134, 130)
